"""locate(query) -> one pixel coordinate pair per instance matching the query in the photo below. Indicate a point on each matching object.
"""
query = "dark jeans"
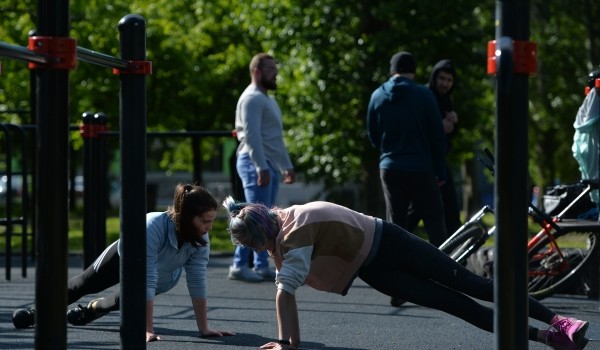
(400, 188)
(411, 269)
(102, 274)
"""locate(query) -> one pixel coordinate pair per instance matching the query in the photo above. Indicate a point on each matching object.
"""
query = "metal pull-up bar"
(84, 55)
(51, 54)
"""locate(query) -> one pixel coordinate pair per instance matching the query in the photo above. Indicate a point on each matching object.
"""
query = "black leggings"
(409, 268)
(102, 274)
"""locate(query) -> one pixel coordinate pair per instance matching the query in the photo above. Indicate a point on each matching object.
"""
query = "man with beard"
(261, 157)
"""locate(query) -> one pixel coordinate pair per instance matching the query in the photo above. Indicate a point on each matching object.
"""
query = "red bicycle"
(559, 254)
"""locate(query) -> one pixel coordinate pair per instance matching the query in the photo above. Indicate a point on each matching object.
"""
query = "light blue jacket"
(165, 262)
(586, 140)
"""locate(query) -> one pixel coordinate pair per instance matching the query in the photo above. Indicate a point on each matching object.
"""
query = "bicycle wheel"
(465, 241)
(549, 273)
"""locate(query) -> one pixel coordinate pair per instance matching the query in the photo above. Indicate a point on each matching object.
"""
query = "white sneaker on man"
(244, 273)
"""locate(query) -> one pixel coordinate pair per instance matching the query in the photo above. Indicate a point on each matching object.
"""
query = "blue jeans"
(255, 194)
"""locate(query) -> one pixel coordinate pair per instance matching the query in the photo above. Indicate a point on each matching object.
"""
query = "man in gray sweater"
(261, 156)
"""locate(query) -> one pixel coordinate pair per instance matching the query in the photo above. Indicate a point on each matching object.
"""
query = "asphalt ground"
(361, 320)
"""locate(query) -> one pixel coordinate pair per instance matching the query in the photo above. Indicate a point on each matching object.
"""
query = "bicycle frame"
(551, 268)
(467, 248)
(557, 261)
(554, 252)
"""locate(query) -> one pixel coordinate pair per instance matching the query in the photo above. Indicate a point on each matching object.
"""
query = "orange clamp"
(91, 131)
(135, 67)
(62, 52)
(524, 57)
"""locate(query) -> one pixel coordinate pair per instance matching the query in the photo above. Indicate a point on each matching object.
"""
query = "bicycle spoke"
(556, 267)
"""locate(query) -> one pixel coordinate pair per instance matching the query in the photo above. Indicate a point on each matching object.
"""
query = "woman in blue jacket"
(177, 239)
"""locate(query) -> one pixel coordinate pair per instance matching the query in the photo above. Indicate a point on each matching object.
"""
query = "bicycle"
(552, 267)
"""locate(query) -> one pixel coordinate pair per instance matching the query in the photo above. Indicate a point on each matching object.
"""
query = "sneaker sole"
(579, 335)
(583, 343)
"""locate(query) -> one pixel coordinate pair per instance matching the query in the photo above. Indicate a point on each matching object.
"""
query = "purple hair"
(250, 222)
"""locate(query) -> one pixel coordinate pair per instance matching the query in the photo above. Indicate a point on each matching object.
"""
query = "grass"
(219, 237)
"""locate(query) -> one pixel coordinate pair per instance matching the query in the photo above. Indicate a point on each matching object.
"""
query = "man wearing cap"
(404, 124)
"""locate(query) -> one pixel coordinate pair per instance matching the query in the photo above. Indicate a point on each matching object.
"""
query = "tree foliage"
(332, 55)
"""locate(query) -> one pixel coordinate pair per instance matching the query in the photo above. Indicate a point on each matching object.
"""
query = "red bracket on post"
(61, 50)
(135, 67)
(524, 57)
(91, 131)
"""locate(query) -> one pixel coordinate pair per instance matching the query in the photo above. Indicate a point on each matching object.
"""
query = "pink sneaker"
(560, 341)
(571, 327)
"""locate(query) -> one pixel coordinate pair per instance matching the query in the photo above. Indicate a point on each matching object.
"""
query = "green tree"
(332, 55)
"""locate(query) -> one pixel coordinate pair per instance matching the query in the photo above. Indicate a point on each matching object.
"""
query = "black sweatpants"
(102, 274)
(401, 188)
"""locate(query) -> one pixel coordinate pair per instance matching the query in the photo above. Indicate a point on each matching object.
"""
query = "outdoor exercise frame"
(51, 54)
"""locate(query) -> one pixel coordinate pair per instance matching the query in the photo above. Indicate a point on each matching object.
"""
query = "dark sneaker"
(82, 315)
(573, 328)
(23, 318)
(396, 302)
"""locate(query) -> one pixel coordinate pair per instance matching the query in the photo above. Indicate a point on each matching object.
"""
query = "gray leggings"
(411, 269)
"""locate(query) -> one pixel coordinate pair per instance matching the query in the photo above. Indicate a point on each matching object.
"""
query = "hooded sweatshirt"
(444, 102)
(404, 124)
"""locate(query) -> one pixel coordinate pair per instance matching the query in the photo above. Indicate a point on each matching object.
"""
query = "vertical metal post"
(24, 196)
(132, 30)
(197, 160)
(94, 184)
(510, 267)
(9, 200)
(52, 148)
(32, 147)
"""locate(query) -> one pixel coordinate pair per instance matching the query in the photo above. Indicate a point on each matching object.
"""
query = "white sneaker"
(243, 273)
(267, 273)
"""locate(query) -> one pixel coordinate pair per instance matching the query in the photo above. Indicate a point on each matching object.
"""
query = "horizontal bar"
(176, 133)
(101, 59)
(85, 55)
(22, 53)
(151, 133)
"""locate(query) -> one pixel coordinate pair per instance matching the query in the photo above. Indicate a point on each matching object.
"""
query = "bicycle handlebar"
(489, 162)
(593, 183)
